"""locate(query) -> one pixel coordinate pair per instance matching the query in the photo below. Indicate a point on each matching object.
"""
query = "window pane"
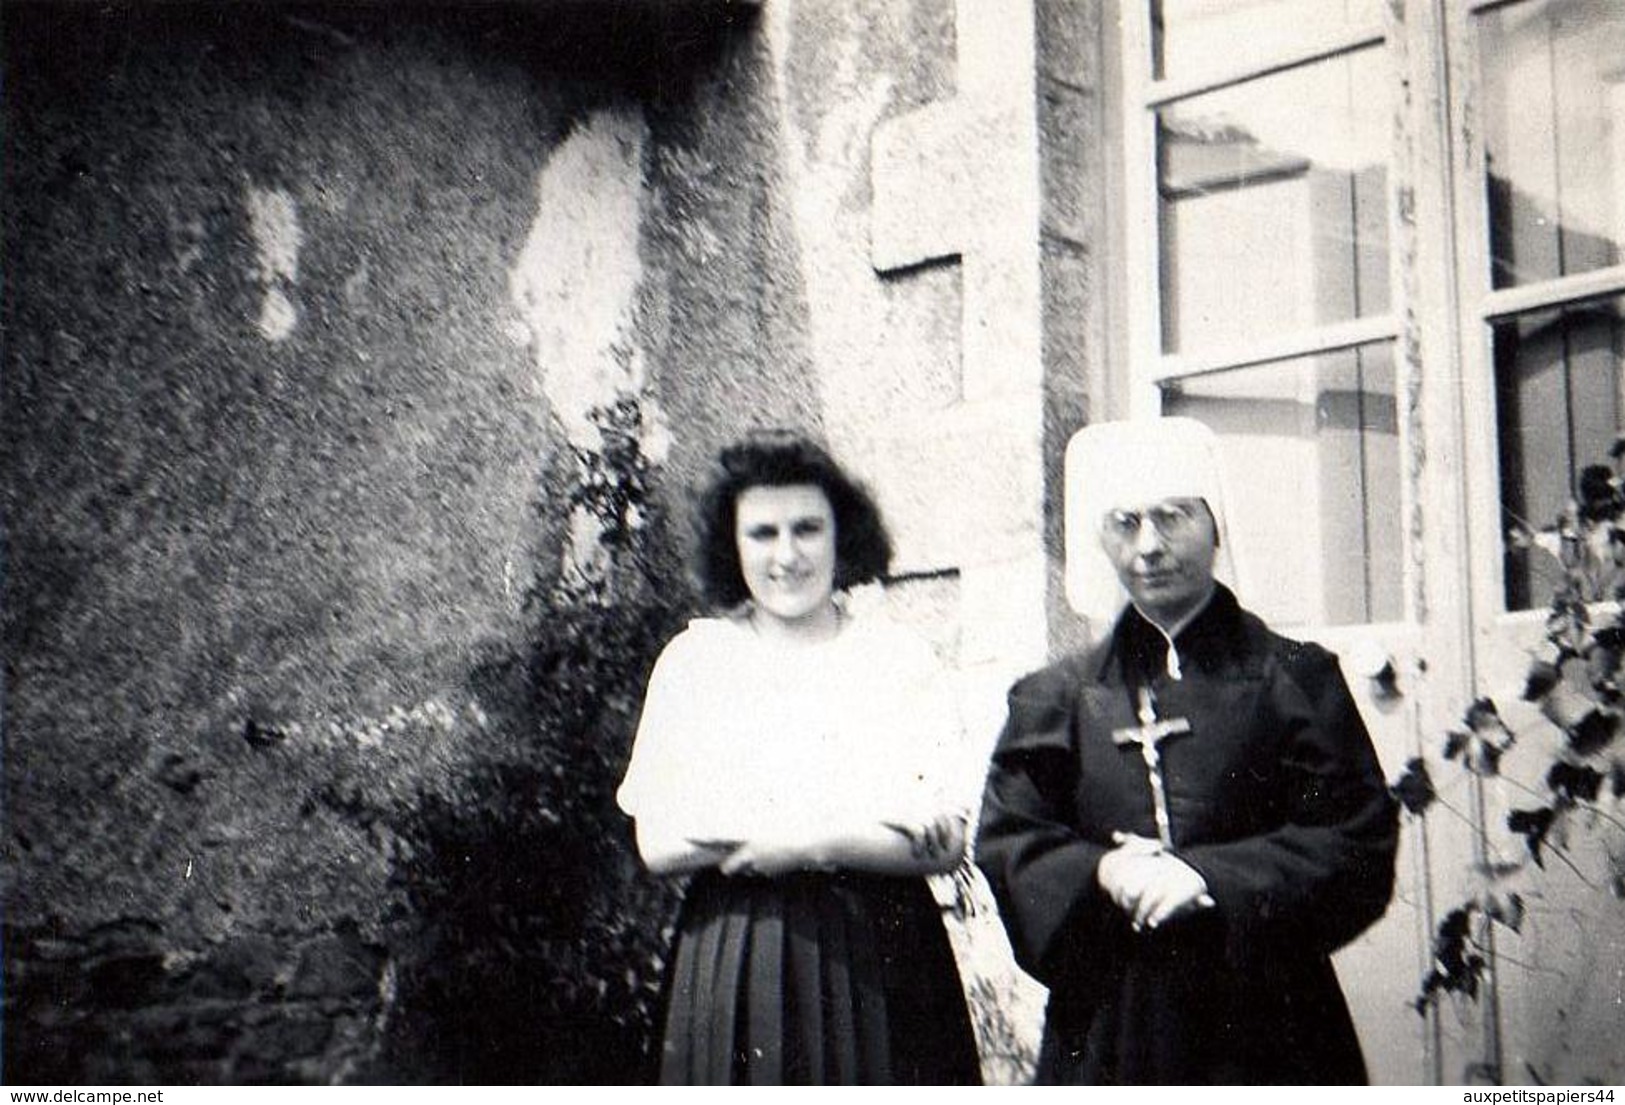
(1311, 451)
(1273, 204)
(1188, 36)
(1558, 410)
(1554, 137)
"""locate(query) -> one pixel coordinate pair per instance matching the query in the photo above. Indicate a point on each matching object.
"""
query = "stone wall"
(119, 1004)
(304, 310)
(313, 316)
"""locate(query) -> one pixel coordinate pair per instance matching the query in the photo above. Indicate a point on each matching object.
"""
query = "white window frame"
(1481, 306)
(1442, 312)
(1148, 367)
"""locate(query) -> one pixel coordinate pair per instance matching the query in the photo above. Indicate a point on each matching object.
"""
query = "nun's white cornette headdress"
(1130, 465)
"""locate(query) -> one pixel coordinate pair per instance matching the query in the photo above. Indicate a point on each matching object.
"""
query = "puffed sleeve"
(670, 775)
(640, 792)
(1041, 871)
(1327, 872)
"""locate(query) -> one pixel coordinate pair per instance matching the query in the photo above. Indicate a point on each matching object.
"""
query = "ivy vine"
(1575, 679)
(535, 945)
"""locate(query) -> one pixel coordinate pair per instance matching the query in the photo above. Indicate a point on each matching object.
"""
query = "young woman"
(798, 762)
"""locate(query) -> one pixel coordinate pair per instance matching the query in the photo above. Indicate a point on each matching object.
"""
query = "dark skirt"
(838, 979)
(1170, 1007)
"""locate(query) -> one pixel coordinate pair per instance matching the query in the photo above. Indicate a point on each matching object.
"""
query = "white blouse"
(744, 737)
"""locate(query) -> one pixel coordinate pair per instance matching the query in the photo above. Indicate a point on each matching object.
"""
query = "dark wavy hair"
(783, 458)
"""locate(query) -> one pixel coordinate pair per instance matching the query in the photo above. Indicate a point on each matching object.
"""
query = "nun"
(1184, 821)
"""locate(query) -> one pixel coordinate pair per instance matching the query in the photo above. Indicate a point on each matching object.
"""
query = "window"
(1313, 435)
(1271, 198)
(1269, 153)
(1551, 81)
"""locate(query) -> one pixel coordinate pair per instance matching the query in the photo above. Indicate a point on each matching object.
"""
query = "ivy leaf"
(1598, 499)
(1533, 825)
(1574, 782)
(1509, 913)
(1482, 716)
(1457, 965)
(1616, 873)
(1451, 939)
(1611, 636)
(1542, 678)
(1617, 449)
(1616, 778)
(1488, 761)
(1490, 737)
(1602, 662)
(1414, 787)
(1454, 742)
(1562, 622)
(1593, 732)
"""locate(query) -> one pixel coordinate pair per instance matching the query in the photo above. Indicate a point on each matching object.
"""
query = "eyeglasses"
(1170, 519)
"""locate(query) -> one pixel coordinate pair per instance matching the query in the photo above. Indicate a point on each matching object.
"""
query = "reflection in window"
(1190, 36)
(1554, 137)
(1311, 449)
(1558, 376)
(1274, 211)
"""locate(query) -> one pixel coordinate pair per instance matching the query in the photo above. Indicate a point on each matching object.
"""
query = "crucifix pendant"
(1149, 735)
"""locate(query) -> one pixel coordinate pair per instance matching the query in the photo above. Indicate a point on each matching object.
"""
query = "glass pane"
(1554, 137)
(1189, 36)
(1311, 452)
(1558, 409)
(1273, 204)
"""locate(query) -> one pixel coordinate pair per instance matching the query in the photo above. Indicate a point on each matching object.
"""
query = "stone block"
(194, 1031)
(997, 51)
(262, 1070)
(50, 990)
(209, 1072)
(920, 175)
(237, 969)
(961, 488)
(339, 965)
(945, 180)
(47, 948)
(1068, 41)
(1003, 612)
(1071, 314)
(1003, 318)
(1068, 137)
(127, 935)
(127, 981)
(296, 1034)
(916, 368)
(929, 605)
(60, 1011)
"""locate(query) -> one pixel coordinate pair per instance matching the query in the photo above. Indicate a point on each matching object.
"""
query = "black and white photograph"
(812, 542)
